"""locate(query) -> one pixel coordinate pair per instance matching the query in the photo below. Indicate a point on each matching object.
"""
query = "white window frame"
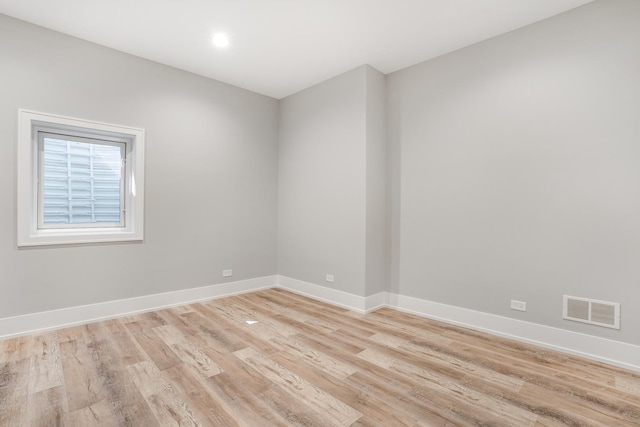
(29, 233)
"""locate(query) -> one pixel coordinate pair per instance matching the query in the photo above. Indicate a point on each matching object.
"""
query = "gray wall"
(377, 239)
(332, 183)
(211, 173)
(517, 166)
(322, 183)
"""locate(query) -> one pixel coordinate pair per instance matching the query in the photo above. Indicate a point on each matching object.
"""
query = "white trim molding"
(376, 301)
(324, 294)
(72, 316)
(591, 347)
(616, 353)
(333, 296)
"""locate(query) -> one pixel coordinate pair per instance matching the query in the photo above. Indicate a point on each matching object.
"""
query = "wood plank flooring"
(302, 363)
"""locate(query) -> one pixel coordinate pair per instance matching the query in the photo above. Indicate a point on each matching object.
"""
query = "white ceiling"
(279, 47)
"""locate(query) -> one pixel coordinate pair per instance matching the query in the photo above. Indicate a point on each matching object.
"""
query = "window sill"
(58, 237)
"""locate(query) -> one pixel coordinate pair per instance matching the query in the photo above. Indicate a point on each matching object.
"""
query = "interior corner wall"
(211, 173)
(377, 243)
(322, 183)
(514, 167)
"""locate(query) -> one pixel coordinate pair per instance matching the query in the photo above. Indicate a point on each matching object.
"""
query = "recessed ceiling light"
(220, 40)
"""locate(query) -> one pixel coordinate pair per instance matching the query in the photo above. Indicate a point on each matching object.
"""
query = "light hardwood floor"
(302, 363)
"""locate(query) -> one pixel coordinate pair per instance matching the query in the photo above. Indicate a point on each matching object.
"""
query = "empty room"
(320, 213)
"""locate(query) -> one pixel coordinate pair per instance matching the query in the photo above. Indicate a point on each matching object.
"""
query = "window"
(78, 181)
(81, 181)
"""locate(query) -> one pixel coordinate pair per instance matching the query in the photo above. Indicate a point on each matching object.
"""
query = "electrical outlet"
(227, 273)
(518, 305)
(329, 278)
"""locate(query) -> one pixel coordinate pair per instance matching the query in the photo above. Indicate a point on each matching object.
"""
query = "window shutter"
(82, 181)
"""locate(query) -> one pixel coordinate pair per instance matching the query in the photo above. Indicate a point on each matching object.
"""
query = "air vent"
(594, 312)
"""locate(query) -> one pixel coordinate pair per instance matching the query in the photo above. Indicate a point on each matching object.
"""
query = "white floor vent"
(601, 313)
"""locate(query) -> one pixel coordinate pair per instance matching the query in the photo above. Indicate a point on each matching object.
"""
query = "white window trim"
(28, 233)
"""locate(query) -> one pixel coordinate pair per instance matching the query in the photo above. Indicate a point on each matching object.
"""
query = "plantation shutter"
(81, 181)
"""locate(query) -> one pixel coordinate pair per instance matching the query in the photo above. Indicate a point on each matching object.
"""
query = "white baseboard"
(376, 301)
(333, 296)
(324, 294)
(616, 353)
(591, 347)
(65, 317)
(609, 351)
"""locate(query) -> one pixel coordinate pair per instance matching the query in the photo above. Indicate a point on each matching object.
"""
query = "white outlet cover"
(329, 278)
(227, 273)
(518, 305)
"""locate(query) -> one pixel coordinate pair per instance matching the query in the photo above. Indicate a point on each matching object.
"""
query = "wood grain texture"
(302, 363)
